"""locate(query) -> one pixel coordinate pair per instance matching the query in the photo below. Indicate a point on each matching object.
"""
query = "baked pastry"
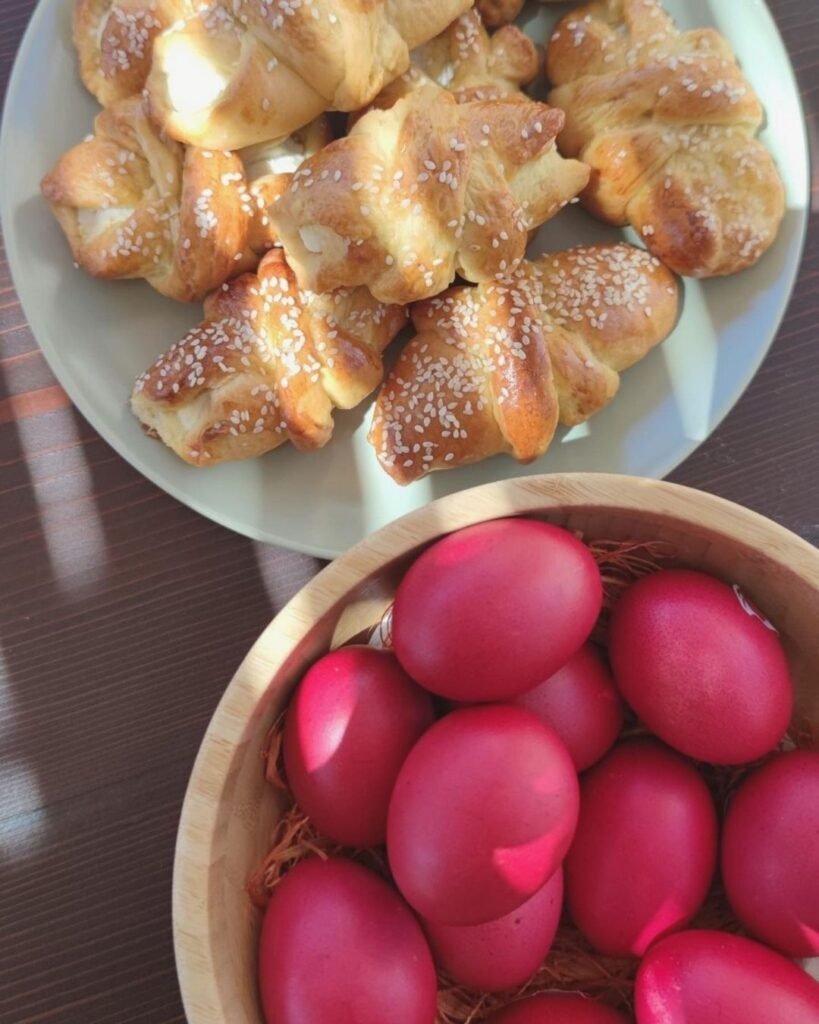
(474, 65)
(468, 62)
(268, 364)
(425, 190)
(668, 123)
(114, 40)
(239, 72)
(494, 368)
(133, 203)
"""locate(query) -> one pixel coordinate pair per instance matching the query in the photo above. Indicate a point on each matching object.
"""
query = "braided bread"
(468, 62)
(425, 190)
(115, 38)
(268, 364)
(476, 66)
(133, 203)
(668, 123)
(494, 368)
(241, 71)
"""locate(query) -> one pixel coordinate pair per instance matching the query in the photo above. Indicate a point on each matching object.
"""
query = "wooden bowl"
(229, 809)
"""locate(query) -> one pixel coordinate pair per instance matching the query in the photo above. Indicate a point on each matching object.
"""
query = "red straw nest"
(572, 965)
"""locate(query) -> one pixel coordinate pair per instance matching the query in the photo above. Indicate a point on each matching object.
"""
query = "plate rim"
(62, 373)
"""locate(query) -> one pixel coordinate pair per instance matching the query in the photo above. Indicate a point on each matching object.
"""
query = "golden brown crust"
(492, 368)
(470, 384)
(240, 72)
(474, 65)
(114, 40)
(468, 62)
(424, 190)
(134, 204)
(268, 364)
(667, 122)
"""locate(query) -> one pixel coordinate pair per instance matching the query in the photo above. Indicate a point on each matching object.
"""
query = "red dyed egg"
(504, 953)
(701, 667)
(702, 977)
(582, 705)
(557, 1008)
(354, 718)
(494, 609)
(770, 853)
(482, 814)
(645, 849)
(338, 944)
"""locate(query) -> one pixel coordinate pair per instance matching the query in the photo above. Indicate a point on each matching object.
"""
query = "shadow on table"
(123, 616)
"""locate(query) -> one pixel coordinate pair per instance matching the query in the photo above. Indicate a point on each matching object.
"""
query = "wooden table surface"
(123, 615)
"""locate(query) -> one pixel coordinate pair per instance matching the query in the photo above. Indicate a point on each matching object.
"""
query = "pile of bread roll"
(217, 172)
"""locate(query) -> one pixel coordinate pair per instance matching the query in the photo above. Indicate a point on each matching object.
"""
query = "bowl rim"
(226, 731)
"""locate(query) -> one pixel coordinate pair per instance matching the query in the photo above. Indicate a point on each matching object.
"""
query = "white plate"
(98, 336)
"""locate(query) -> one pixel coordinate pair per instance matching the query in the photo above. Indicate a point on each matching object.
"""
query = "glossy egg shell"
(582, 705)
(645, 850)
(557, 1008)
(352, 721)
(338, 944)
(703, 977)
(770, 853)
(500, 954)
(482, 813)
(494, 609)
(700, 667)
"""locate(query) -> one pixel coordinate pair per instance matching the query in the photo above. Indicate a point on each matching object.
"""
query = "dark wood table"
(123, 615)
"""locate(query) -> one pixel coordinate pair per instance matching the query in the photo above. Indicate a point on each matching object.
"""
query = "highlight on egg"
(709, 977)
(645, 849)
(770, 853)
(478, 825)
(482, 814)
(352, 721)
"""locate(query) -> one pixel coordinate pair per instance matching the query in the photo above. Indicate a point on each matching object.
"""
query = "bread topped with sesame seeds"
(668, 123)
(467, 61)
(268, 364)
(237, 72)
(115, 38)
(476, 66)
(423, 191)
(133, 203)
(494, 369)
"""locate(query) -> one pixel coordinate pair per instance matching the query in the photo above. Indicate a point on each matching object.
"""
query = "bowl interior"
(230, 810)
